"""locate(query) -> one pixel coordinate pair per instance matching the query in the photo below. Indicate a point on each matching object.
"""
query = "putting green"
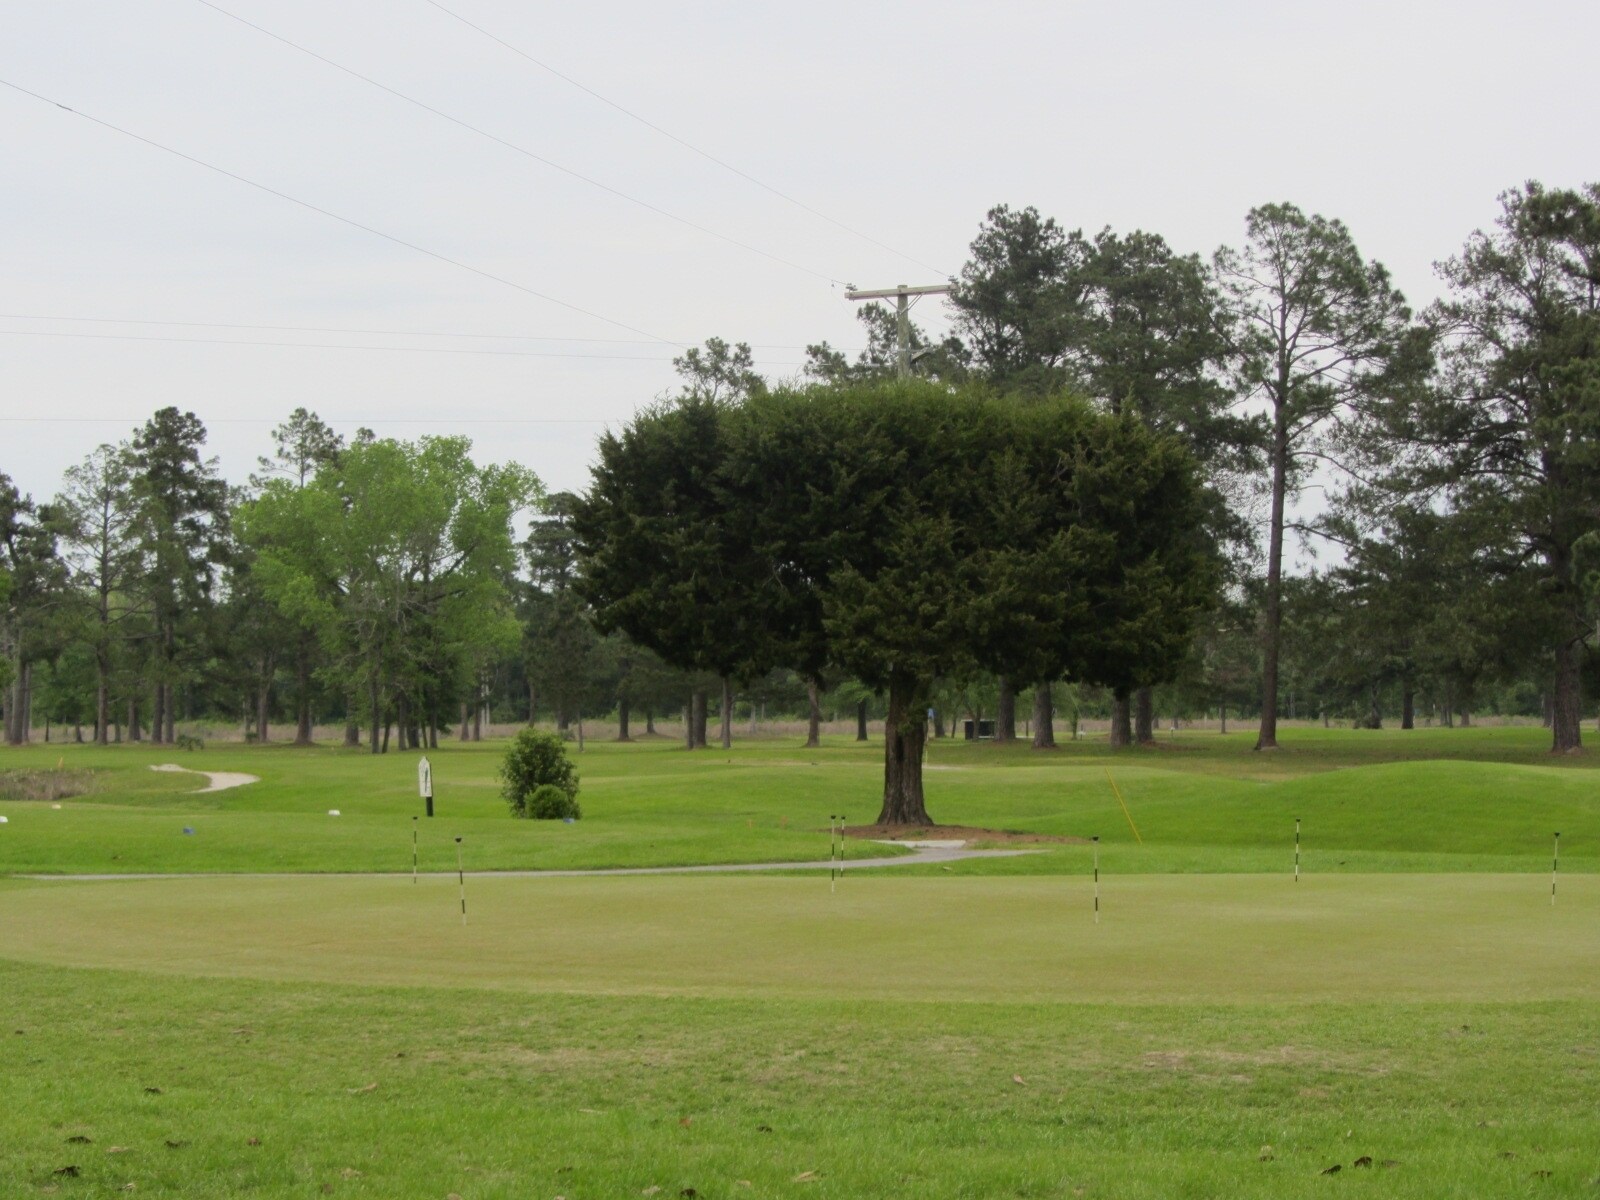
(1206, 939)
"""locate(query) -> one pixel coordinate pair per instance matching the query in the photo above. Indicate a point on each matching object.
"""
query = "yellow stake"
(1118, 793)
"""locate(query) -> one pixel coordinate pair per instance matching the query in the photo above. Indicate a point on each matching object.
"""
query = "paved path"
(919, 854)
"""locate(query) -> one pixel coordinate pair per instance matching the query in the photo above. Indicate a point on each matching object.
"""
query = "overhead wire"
(687, 145)
(138, 337)
(519, 149)
(417, 333)
(350, 221)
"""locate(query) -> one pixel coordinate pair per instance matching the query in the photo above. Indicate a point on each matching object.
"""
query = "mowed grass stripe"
(1162, 939)
(1203, 803)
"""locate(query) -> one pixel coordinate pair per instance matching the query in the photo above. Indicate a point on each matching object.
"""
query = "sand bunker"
(221, 781)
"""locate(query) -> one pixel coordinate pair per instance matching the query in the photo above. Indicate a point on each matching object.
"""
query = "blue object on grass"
(567, 820)
(186, 829)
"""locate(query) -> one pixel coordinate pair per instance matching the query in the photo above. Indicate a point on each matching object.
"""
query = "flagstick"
(1297, 849)
(1555, 862)
(461, 878)
(413, 849)
(1096, 842)
(833, 851)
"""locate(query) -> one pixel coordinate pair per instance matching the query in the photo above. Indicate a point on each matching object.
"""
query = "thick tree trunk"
(1466, 718)
(1121, 724)
(1005, 723)
(134, 732)
(904, 735)
(466, 722)
(688, 723)
(861, 720)
(158, 713)
(814, 717)
(477, 723)
(171, 734)
(1408, 707)
(727, 713)
(1566, 709)
(1044, 718)
(650, 720)
(1223, 710)
(698, 716)
(938, 723)
(1144, 717)
(622, 721)
(352, 731)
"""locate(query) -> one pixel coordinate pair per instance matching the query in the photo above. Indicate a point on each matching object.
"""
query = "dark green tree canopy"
(903, 532)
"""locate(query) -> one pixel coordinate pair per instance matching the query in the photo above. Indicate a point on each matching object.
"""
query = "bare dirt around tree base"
(954, 833)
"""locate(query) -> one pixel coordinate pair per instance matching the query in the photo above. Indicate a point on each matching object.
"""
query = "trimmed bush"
(537, 760)
(550, 803)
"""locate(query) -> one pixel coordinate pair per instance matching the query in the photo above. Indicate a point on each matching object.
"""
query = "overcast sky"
(901, 123)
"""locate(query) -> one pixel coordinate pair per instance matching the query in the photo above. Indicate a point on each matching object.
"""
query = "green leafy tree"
(32, 579)
(96, 513)
(850, 515)
(181, 518)
(1511, 434)
(1320, 333)
(1018, 300)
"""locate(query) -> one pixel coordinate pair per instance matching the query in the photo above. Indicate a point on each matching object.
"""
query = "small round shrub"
(550, 803)
(537, 759)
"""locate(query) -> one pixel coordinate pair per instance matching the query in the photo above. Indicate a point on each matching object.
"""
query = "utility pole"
(902, 314)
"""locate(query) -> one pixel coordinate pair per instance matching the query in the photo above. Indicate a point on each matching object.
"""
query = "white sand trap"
(221, 781)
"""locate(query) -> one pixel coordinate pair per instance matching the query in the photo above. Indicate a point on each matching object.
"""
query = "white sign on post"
(425, 784)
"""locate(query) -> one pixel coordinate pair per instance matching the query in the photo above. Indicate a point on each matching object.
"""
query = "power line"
(687, 145)
(522, 150)
(332, 421)
(420, 333)
(139, 337)
(388, 237)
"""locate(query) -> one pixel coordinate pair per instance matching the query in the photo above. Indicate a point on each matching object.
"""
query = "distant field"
(1414, 1011)
(1425, 800)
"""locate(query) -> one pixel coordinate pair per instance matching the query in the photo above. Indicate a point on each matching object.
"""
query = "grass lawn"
(1414, 1011)
(1424, 800)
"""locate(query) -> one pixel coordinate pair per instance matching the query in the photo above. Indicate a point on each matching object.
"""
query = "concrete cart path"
(919, 854)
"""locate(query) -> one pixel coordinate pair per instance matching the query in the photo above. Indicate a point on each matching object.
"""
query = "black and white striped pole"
(1555, 863)
(841, 845)
(461, 878)
(1297, 849)
(413, 849)
(1096, 842)
(833, 851)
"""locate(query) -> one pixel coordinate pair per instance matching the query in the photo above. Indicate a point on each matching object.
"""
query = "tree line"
(1090, 490)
